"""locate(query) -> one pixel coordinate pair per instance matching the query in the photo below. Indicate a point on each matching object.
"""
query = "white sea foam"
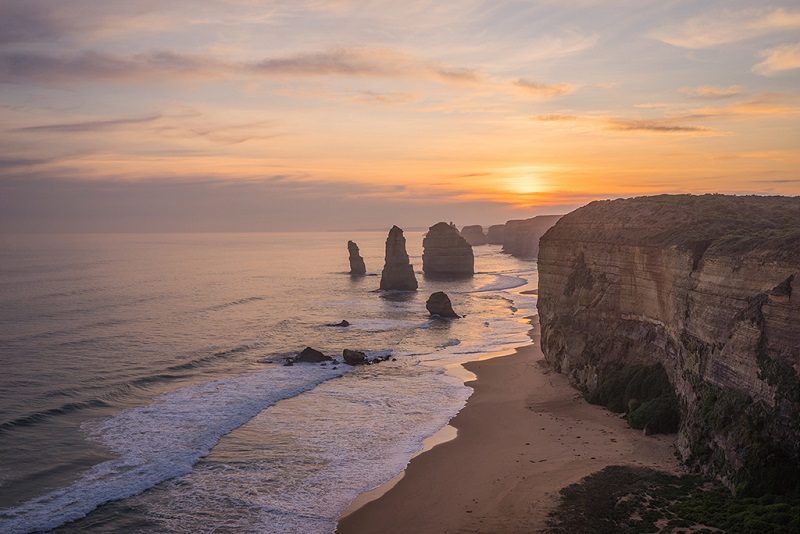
(502, 282)
(161, 441)
(346, 436)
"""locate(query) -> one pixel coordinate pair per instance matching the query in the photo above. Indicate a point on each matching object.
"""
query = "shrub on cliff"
(645, 393)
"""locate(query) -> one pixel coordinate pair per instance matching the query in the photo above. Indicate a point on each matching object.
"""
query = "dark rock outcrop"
(521, 238)
(709, 288)
(495, 235)
(446, 254)
(309, 355)
(474, 235)
(344, 323)
(357, 266)
(354, 357)
(439, 304)
(398, 273)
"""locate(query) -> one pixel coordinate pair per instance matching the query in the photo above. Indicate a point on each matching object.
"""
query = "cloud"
(88, 66)
(544, 90)
(181, 124)
(779, 59)
(716, 28)
(375, 97)
(656, 126)
(661, 126)
(88, 126)
(713, 91)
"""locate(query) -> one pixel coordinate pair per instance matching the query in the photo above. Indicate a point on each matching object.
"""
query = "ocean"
(143, 386)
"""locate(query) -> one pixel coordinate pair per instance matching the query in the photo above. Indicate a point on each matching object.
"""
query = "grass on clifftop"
(632, 500)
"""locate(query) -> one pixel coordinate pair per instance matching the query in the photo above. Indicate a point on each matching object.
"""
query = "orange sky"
(140, 115)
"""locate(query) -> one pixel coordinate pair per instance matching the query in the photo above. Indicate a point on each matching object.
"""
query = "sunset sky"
(336, 114)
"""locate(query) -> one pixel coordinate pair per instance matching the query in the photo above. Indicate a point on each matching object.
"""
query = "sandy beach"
(524, 434)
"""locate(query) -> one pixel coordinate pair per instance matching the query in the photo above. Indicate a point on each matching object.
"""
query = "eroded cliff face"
(709, 287)
(521, 237)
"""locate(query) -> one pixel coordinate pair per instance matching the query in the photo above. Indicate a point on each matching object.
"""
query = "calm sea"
(142, 386)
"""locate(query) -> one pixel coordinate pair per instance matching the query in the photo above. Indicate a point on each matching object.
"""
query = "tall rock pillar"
(398, 273)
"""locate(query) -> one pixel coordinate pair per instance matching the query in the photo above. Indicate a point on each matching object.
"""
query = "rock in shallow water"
(309, 355)
(439, 304)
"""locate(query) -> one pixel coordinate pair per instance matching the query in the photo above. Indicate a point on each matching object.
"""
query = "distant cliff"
(521, 238)
(709, 288)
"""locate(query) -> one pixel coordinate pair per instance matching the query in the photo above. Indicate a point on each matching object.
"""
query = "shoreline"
(524, 434)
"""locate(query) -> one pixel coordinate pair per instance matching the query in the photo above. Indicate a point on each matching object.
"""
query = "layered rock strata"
(474, 235)
(521, 238)
(446, 254)
(398, 273)
(708, 287)
(357, 266)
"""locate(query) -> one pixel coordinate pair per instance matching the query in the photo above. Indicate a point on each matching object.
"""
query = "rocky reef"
(446, 254)
(357, 266)
(474, 235)
(521, 238)
(707, 287)
(398, 273)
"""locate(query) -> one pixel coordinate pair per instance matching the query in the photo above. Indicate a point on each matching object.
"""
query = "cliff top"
(767, 226)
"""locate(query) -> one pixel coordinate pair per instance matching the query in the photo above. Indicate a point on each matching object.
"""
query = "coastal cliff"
(521, 237)
(707, 287)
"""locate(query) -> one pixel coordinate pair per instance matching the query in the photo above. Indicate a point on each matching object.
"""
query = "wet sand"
(524, 434)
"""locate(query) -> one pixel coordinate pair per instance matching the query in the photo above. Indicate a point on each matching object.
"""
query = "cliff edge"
(706, 286)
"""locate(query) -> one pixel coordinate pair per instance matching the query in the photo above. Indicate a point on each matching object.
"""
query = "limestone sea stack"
(495, 234)
(706, 287)
(474, 235)
(446, 254)
(357, 266)
(398, 273)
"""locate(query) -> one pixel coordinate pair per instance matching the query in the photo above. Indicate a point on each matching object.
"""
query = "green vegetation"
(628, 500)
(732, 225)
(764, 468)
(645, 394)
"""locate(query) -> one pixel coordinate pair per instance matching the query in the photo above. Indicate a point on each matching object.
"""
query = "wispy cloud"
(716, 28)
(660, 126)
(544, 90)
(779, 59)
(713, 91)
(181, 124)
(88, 126)
(657, 126)
(366, 61)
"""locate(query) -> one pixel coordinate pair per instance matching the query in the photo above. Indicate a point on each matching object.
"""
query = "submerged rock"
(398, 273)
(354, 357)
(439, 304)
(357, 266)
(446, 254)
(309, 355)
(474, 235)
